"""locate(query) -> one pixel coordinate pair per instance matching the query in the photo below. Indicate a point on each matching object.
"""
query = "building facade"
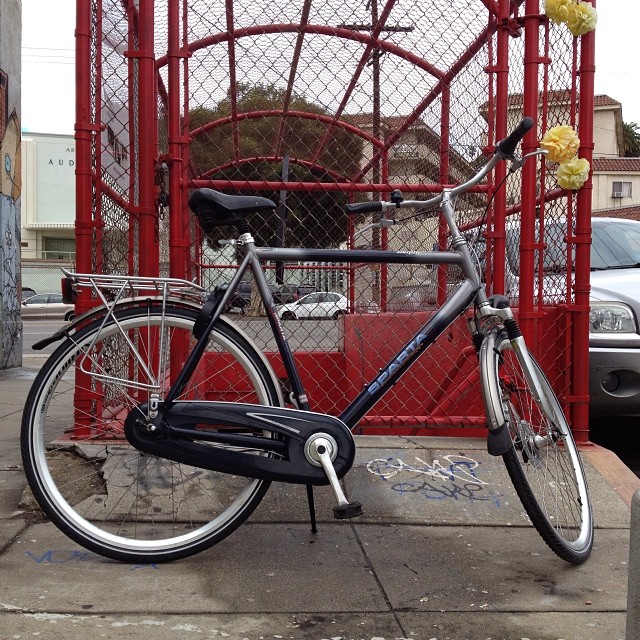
(10, 183)
(48, 209)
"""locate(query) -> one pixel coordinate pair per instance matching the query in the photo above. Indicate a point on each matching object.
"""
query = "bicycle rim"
(544, 463)
(97, 488)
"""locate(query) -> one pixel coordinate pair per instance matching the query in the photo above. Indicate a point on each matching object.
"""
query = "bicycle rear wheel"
(543, 464)
(98, 489)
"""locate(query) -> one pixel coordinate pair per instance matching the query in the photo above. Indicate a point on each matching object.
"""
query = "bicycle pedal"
(349, 510)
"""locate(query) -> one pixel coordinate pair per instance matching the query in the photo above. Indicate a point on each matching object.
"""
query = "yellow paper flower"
(582, 18)
(557, 10)
(561, 142)
(573, 174)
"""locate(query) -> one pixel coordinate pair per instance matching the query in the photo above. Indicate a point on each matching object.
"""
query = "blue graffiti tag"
(64, 556)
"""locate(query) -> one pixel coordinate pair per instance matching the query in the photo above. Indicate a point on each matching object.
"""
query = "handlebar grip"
(364, 207)
(509, 144)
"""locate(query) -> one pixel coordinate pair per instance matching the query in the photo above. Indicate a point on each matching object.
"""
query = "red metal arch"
(269, 113)
(274, 159)
(372, 41)
(281, 113)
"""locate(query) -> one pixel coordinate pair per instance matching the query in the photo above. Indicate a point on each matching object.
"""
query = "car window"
(555, 252)
(614, 244)
(41, 298)
(312, 298)
(55, 297)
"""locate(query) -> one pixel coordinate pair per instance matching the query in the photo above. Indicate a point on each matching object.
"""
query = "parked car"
(314, 305)
(282, 294)
(286, 293)
(614, 338)
(47, 305)
(241, 297)
(415, 297)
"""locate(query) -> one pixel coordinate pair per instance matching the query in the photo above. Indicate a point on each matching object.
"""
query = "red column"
(528, 245)
(501, 71)
(147, 136)
(178, 243)
(84, 132)
(582, 287)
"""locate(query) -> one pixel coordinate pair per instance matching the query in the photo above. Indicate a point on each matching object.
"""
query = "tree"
(630, 139)
(314, 219)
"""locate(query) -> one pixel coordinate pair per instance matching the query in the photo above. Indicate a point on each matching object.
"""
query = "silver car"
(614, 333)
(47, 305)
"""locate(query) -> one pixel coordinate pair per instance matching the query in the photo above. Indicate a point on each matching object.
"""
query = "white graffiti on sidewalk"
(454, 476)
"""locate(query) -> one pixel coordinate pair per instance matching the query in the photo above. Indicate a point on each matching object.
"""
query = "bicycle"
(126, 454)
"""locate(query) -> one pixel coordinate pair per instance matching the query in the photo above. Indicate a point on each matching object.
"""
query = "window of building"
(621, 190)
(59, 248)
(406, 150)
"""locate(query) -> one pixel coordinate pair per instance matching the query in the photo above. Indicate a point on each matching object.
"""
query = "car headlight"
(611, 317)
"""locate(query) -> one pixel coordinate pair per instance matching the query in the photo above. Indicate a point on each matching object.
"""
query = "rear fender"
(101, 311)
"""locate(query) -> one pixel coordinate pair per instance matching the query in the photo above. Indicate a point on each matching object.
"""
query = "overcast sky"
(48, 61)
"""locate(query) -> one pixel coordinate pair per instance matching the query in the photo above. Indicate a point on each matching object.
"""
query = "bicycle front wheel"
(544, 463)
(98, 489)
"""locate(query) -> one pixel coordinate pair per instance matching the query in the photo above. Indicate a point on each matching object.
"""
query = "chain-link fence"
(316, 104)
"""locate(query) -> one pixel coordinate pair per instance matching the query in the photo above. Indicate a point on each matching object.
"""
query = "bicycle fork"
(496, 309)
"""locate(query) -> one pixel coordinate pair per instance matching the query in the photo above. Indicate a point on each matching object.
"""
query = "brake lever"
(384, 222)
(518, 163)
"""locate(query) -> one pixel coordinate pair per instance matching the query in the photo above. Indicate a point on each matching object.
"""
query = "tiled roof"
(609, 165)
(604, 101)
(560, 96)
(629, 213)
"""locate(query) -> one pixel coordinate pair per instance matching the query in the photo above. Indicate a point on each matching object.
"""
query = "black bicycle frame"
(455, 304)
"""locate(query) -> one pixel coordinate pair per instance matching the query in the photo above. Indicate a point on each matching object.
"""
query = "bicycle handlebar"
(364, 207)
(504, 150)
(509, 144)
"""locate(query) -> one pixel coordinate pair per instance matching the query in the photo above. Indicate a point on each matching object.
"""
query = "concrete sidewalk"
(433, 557)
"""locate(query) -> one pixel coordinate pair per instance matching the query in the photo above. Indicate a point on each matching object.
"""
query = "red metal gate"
(317, 103)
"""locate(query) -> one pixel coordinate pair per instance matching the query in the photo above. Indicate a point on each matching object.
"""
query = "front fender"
(498, 438)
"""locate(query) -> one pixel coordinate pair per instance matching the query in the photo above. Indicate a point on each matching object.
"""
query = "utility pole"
(281, 228)
(376, 123)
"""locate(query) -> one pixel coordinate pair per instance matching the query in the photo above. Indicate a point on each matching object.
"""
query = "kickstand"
(312, 508)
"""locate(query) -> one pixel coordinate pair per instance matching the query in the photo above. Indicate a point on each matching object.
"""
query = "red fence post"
(147, 140)
(528, 244)
(582, 287)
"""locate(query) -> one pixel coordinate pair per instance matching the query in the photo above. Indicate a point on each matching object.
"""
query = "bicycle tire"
(544, 463)
(91, 483)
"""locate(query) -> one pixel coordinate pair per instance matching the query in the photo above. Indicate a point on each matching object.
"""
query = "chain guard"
(184, 434)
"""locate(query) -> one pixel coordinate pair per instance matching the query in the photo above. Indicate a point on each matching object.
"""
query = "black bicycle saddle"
(214, 209)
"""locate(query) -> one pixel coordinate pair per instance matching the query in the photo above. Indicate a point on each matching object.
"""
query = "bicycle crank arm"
(229, 437)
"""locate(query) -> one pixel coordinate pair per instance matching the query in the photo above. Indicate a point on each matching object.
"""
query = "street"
(35, 330)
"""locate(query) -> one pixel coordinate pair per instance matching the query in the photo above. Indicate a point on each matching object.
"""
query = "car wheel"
(338, 314)
(288, 315)
(70, 315)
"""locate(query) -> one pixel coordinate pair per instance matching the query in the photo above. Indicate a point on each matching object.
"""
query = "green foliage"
(314, 219)
(631, 139)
